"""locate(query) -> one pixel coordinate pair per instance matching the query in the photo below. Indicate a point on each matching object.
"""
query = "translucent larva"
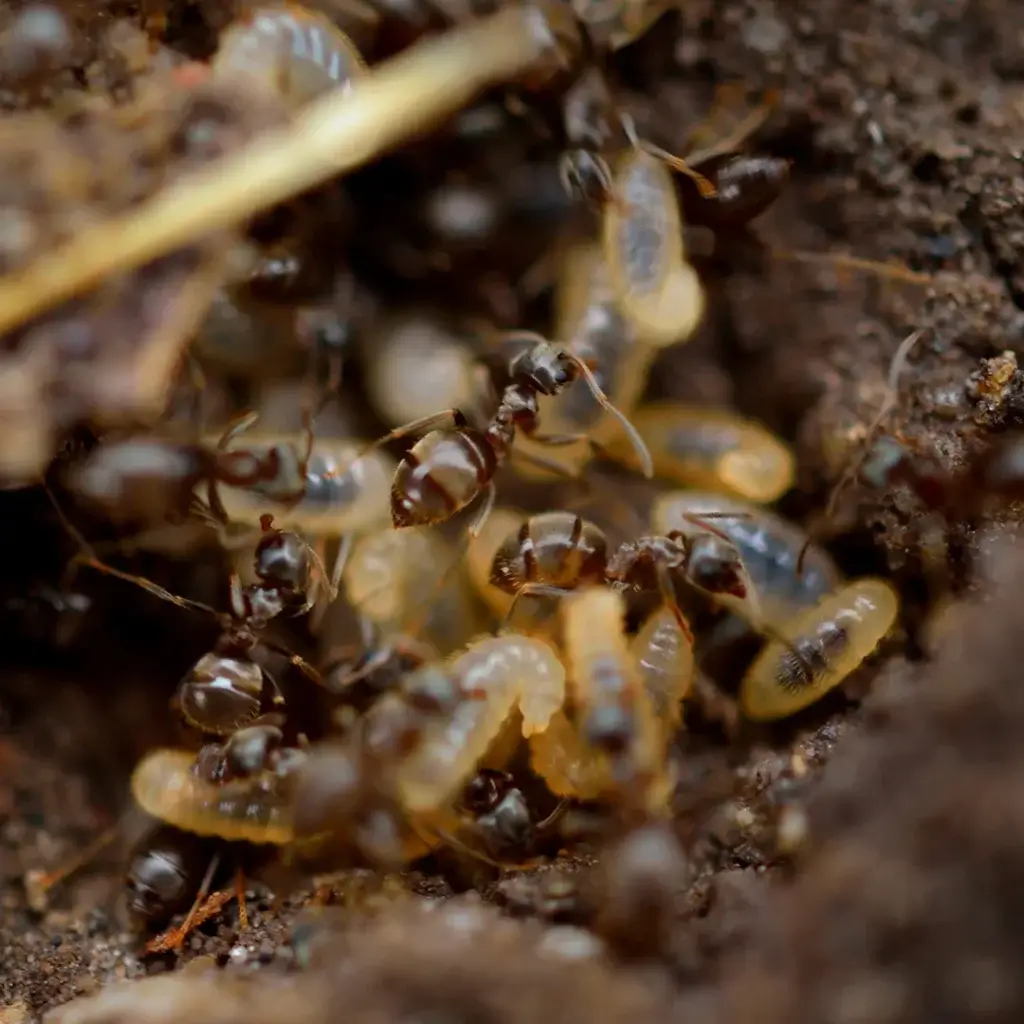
(494, 676)
(715, 450)
(342, 495)
(664, 658)
(826, 644)
(656, 289)
(594, 329)
(613, 712)
(254, 810)
(768, 544)
(299, 54)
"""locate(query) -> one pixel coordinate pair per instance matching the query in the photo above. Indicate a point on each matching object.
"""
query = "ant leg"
(295, 659)
(746, 127)
(889, 402)
(486, 509)
(669, 597)
(435, 421)
(38, 883)
(705, 187)
(274, 689)
(531, 590)
(87, 556)
(236, 427)
(548, 823)
(243, 913)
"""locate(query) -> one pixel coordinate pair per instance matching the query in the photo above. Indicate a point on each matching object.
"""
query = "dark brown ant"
(165, 871)
(502, 825)
(224, 690)
(449, 467)
(154, 478)
(555, 552)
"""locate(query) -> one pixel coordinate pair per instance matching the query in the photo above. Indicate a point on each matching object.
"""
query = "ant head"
(486, 790)
(585, 177)
(282, 560)
(715, 566)
(545, 367)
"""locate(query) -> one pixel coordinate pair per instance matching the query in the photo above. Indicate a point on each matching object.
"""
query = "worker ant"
(450, 466)
(556, 552)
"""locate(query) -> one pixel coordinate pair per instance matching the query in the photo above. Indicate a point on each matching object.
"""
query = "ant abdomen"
(745, 186)
(164, 871)
(440, 475)
(250, 810)
(221, 694)
(715, 450)
(555, 549)
(823, 646)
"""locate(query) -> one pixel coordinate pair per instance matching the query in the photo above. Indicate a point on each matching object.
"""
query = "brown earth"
(905, 124)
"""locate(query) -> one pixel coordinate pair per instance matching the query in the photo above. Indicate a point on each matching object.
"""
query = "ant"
(224, 689)
(556, 552)
(450, 466)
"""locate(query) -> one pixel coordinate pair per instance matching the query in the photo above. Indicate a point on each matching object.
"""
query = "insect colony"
(496, 644)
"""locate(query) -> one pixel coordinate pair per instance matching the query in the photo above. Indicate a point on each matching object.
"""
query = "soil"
(895, 896)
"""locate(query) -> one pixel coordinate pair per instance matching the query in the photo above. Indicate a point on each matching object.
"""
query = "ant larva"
(830, 641)
(715, 450)
(451, 466)
(626, 698)
(296, 53)
(587, 316)
(654, 285)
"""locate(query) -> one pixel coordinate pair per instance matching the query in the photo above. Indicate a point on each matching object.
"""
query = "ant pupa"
(825, 644)
(715, 450)
(595, 330)
(665, 662)
(656, 289)
(615, 744)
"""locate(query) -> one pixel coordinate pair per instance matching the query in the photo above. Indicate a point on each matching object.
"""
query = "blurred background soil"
(904, 120)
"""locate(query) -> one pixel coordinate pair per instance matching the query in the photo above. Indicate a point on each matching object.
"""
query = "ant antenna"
(87, 556)
(898, 362)
(639, 446)
(678, 164)
(876, 267)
